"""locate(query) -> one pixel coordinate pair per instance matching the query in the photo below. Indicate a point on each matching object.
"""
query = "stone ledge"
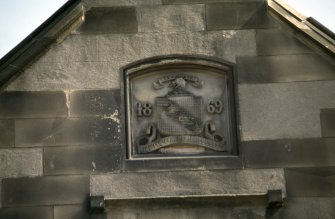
(185, 184)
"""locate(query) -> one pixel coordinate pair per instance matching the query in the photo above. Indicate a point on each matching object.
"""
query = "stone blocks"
(51, 190)
(284, 110)
(20, 162)
(171, 18)
(67, 67)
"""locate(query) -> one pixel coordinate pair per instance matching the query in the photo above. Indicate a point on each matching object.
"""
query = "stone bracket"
(96, 204)
(275, 198)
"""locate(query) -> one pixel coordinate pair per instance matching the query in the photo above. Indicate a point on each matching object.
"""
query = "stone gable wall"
(61, 121)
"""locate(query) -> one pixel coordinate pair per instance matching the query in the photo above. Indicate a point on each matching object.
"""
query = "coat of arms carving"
(179, 110)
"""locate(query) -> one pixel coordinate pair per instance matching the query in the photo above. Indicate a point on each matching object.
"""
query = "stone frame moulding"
(157, 90)
(179, 107)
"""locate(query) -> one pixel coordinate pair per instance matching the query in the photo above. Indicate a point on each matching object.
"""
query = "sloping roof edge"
(72, 13)
(34, 44)
(307, 25)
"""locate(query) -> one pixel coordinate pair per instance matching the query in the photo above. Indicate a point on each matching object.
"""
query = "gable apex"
(52, 30)
(198, 17)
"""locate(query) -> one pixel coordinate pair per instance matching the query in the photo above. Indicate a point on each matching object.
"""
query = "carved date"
(144, 109)
(214, 106)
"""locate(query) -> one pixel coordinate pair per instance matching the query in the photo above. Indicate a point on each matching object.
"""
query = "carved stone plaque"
(179, 107)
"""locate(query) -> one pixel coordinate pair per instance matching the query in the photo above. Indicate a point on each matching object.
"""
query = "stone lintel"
(187, 184)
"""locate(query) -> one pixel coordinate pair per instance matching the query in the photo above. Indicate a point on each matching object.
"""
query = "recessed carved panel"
(179, 107)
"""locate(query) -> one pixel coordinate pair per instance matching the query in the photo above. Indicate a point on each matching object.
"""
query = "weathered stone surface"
(205, 1)
(173, 213)
(83, 61)
(20, 162)
(284, 68)
(304, 208)
(94, 103)
(27, 213)
(328, 122)
(274, 42)
(111, 3)
(187, 183)
(67, 75)
(71, 212)
(15, 64)
(284, 110)
(310, 182)
(74, 131)
(171, 18)
(307, 152)
(238, 15)
(102, 20)
(50, 190)
(33, 104)
(6, 133)
(81, 160)
(205, 163)
(187, 208)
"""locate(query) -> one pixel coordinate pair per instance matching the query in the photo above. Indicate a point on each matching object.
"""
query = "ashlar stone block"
(284, 68)
(284, 110)
(204, 1)
(328, 122)
(20, 162)
(102, 56)
(42, 191)
(171, 18)
(305, 208)
(45, 212)
(102, 20)
(6, 133)
(111, 3)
